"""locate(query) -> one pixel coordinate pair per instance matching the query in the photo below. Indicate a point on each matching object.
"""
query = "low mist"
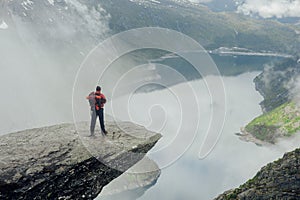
(231, 163)
(39, 58)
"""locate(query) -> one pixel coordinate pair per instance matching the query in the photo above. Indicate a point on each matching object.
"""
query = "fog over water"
(39, 59)
(231, 162)
(37, 91)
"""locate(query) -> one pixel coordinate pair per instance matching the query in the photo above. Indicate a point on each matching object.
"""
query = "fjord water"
(231, 162)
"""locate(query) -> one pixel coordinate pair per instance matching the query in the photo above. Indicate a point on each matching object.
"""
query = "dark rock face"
(54, 162)
(278, 180)
(279, 87)
(273, 83)
(133, 183)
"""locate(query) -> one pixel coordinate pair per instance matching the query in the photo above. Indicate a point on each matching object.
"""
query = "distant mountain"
(212, 30)
(93, 20)
(279, 87)
(223, 5)
(47, 34)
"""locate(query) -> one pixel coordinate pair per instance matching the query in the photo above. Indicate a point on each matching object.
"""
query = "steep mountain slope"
(93, 20)
(279, 87)
(282, 121)
(278, 180)
(211, 29)
(276, 83)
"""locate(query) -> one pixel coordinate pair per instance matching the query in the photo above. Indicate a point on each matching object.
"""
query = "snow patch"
(27, 5)
(3, 25)
(154, 1)
(51, 2)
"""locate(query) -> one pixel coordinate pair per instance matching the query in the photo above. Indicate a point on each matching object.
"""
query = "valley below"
(245, 114)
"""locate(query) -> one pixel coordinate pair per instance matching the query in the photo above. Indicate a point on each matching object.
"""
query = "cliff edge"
(57, 162)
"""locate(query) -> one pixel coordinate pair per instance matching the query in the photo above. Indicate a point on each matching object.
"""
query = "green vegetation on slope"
(282, 121)
(212, 30)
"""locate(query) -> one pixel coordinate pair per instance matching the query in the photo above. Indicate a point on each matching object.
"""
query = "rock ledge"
(57, 162)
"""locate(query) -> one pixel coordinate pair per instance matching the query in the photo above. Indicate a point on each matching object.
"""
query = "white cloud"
(271, 8)
(294, 89)
(3, 25)
(51, 2)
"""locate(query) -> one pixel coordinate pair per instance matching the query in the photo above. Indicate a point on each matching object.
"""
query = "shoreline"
(248, 137)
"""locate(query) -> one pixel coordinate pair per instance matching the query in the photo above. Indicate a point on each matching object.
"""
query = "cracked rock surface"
(62, 162)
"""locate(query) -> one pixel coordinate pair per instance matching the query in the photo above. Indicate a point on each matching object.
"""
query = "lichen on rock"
(57, 162)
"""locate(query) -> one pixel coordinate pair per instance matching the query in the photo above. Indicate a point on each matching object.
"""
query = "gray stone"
(279, 180)
(61, 162)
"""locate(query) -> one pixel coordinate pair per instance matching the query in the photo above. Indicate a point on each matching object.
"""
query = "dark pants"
(94, 115)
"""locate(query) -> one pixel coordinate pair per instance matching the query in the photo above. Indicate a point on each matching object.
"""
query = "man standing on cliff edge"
(97, 101)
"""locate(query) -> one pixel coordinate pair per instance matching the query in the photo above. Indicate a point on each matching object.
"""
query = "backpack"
(99, 103)
(92, 100)
(102, 100)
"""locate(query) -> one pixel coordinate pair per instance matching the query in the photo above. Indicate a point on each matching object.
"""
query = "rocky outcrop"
(61, 162)
(248, 137)
(278, 180)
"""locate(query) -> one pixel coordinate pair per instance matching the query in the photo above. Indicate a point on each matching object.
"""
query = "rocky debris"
(278, 180)
(61, 162)
(248, 137)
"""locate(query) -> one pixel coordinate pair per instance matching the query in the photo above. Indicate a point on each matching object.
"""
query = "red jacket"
(100, 100)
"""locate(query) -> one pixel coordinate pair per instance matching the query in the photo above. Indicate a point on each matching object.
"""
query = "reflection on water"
(231, 162)
(127, 195)
(133, 183)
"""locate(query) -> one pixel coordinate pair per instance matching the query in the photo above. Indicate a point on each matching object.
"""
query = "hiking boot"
(104, 132)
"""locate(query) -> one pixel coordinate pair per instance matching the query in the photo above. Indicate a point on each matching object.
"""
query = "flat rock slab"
(62, 161)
